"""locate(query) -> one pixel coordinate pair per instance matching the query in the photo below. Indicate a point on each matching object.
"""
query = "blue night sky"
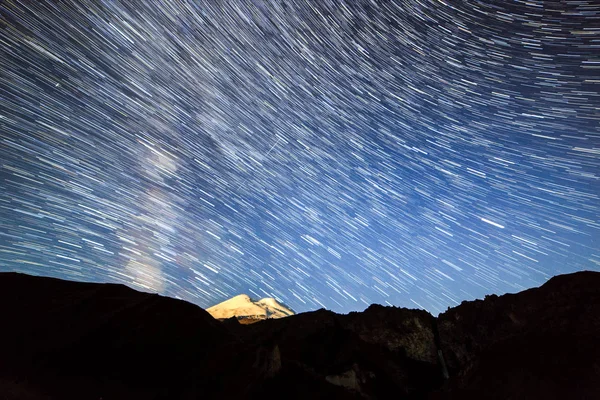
(327, 153)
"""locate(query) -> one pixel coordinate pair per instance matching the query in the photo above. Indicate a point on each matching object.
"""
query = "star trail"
(330, 154)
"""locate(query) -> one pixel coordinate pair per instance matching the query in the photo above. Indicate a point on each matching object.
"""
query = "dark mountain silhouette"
(69, 340)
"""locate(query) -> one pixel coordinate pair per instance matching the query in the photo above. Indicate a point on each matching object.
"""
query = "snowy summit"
(247, 310)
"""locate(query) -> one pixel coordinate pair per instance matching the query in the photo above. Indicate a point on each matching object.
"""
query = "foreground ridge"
(71, 340)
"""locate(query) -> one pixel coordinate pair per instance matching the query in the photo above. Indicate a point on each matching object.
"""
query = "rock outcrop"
(382, 350)
(539, 343)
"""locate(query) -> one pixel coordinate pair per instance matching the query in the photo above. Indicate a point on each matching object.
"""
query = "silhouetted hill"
(69, 340)
(539, 343)
(86, 340)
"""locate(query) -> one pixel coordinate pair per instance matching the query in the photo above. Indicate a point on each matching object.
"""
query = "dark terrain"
(68, 340)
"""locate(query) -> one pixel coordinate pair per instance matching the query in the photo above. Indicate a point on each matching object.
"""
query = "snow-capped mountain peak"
(244, 308)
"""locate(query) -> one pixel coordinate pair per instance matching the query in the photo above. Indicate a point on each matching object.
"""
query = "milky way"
(327, 153)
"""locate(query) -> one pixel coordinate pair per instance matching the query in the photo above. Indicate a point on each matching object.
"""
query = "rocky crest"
(69, 340)
(539, 343)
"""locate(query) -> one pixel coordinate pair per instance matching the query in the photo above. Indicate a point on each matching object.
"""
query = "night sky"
(327, 153)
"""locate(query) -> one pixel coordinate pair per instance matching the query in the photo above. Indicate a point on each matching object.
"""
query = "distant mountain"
(248, 311)
(72, 341)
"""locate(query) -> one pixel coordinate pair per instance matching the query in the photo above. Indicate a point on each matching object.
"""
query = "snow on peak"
(269, 301)
(242, 306)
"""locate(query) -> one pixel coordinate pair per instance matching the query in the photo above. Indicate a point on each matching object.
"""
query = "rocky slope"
(540, 343)
(67, 340)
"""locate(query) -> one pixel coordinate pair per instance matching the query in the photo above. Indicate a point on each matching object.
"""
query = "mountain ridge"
(72, 340)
